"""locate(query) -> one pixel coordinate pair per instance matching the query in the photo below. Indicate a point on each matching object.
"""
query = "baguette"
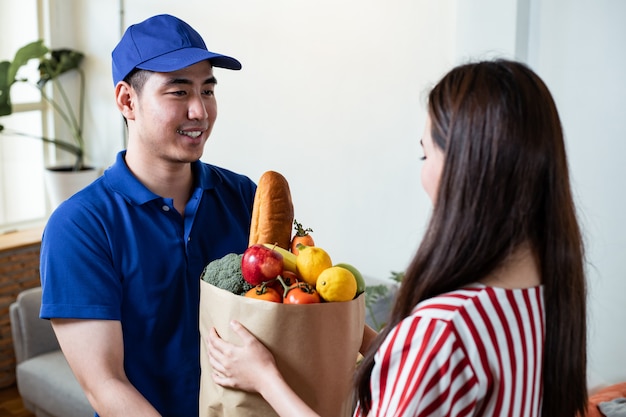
(272, 213)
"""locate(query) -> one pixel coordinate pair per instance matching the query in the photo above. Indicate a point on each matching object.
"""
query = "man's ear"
(125, 98)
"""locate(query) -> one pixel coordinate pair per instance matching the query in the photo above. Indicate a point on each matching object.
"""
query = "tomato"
(290, 277)
(306, 240)
(302, 293)
(276, 286)
(282, 283)
(302, 237)
(265, 292)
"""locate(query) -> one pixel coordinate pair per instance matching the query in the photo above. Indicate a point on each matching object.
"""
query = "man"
(121, 260)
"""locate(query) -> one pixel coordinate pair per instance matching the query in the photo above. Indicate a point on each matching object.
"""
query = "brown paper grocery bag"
(315, 345)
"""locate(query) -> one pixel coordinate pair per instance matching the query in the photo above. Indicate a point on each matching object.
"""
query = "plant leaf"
(374, 293)
(397, 276)
(33, 50)
(5, 87)
(59, 62)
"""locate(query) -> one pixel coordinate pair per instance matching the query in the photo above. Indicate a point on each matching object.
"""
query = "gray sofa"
(44, 379)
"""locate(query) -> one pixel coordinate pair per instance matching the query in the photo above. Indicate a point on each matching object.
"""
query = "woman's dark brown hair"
(505, 183)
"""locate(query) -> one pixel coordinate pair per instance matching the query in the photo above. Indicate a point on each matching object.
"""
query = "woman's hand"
(246, 367)
(252, 367)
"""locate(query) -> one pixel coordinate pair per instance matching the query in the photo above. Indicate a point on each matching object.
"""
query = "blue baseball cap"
(163, 43)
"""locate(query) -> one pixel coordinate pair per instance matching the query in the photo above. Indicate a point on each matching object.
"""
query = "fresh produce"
(310, 262)
(259, 273)
(225, 273)
(282, 282)
(289, 259)
(289, 277)
(265, 292)
(272, 212)
(360, 282)
(301, 293)
(276, 266)
(301, 237)
(260, 263)
(336, 284)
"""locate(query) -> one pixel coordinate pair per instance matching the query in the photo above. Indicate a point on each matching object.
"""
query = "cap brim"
(182, 58)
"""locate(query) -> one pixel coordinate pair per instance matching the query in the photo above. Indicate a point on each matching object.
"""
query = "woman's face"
(433, 163)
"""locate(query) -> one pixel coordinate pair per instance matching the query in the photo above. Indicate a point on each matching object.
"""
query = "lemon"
(336, 284)
(360, 282)
(310, 262)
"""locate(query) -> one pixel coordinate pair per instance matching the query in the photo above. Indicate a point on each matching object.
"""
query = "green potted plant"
(379, 300)
(52, 64)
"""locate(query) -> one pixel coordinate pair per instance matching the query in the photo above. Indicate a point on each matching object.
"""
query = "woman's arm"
(251, 367)
(94, 350)
(369, 335)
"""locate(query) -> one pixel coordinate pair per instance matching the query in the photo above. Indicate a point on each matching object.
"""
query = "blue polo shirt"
(117, 251)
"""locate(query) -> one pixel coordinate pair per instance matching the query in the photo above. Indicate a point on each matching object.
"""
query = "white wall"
(579, 49)
(331, 95)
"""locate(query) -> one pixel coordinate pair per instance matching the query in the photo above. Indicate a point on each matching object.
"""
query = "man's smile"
(191, 133)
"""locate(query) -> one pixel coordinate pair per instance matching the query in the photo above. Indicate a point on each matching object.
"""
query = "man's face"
(174, 114)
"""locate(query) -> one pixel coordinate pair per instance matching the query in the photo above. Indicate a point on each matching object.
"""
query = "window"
(22, 193)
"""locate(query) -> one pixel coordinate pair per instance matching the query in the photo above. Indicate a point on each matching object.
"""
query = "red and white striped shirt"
(471, 352)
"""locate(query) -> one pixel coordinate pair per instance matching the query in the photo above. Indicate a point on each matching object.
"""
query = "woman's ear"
(125, 98)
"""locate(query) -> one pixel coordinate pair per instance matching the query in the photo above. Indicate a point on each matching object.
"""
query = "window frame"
(8, 224)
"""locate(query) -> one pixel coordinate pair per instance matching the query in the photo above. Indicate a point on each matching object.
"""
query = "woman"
(490, 319)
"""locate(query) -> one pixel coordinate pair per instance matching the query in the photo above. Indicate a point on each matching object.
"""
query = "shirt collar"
(122, 180)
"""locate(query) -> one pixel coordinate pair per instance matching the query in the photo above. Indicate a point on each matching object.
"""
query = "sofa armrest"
(32, 336)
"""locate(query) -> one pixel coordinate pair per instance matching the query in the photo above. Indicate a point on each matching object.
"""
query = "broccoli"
(225, 273)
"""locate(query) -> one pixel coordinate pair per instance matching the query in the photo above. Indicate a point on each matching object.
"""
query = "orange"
(310, 262)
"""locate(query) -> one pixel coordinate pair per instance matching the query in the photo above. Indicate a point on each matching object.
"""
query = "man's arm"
(94, 350)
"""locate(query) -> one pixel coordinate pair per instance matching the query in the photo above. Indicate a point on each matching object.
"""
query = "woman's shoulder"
(451, 301)
(477, 297)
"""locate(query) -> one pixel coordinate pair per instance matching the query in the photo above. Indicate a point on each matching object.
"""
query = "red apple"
(259, 264)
